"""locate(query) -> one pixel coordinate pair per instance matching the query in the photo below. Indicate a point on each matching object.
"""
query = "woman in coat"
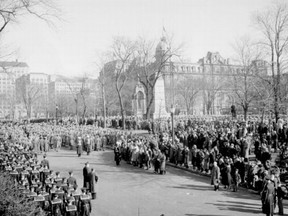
(267, 196)
(162, 163)
(215, 176)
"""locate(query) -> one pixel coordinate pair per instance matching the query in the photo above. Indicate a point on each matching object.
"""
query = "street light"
(57, 112)
(172, 111)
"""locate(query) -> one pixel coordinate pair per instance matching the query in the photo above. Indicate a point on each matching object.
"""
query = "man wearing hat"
(86, 171)
(85, 206)
(57, 205)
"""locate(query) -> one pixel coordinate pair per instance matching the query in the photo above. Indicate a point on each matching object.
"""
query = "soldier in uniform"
(72, 181)
(45, 162)
(85, 207)
(56, 206)
(71, 209)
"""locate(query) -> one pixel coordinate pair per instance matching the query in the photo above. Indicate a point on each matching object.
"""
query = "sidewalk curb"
(188, 170)
(204, 174)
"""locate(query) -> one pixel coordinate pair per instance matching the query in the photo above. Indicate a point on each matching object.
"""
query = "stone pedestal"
(159, 100)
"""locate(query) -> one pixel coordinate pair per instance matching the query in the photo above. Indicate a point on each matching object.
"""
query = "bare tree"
(188, 89)
(245, 82)
(123, 50)
(213, 85)
(74, 92)
(30, 94)
(84, 94)
(12, 10)
(103, 81)
(152, 67)
(273, 24)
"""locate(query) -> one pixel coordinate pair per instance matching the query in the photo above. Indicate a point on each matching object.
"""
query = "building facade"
(9, 72)
(32, 95)
(204, 87)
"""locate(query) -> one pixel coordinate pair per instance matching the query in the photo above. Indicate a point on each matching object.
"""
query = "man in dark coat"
(86, 171)
(93, 179)
(79, 146)
(117, 155)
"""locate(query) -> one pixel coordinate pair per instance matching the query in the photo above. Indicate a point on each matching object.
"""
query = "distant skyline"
(88, 26)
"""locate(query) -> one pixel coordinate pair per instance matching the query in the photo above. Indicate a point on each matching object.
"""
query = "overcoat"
(93, 179)
(215, 175)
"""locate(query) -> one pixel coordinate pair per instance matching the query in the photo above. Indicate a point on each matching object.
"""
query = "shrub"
(13, 202)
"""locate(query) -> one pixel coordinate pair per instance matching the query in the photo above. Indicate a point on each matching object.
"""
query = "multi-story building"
(210, 80)
(66, 95)
(32, 94)
(9, 72)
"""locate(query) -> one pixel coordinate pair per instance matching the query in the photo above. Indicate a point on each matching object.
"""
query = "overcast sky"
(89, 25)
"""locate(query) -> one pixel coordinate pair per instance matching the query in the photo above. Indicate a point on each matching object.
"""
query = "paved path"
(130, 191)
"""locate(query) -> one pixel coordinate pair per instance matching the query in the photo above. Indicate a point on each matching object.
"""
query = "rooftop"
(5, 64)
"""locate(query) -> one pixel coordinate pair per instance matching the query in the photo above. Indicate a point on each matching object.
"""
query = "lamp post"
(172, 110)
(57, 112)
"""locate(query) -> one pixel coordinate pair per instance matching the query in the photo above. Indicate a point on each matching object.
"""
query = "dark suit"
(86, 171)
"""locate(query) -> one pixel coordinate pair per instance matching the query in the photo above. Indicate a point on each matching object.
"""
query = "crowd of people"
(20, 147)
(221, 147)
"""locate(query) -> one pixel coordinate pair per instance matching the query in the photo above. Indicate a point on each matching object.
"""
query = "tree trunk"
(278, 76)
(76, 110)
(121, 108)
(104, 106)
(245, 111)
(149, 106)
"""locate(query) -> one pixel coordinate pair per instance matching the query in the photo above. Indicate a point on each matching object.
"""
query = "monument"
(159, 100)
(139, 100)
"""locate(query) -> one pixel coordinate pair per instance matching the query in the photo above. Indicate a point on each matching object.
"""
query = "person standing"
(71, 180)
(88, 145)
(45, 162)
(162, 163)
(58, 142)
(46, 144)
(79, 147)
(85, 206)
(281, 191)
(215, 176)
(86, 171)
(236, 180)
(117, 155)
(267, 196)
(93, 179)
